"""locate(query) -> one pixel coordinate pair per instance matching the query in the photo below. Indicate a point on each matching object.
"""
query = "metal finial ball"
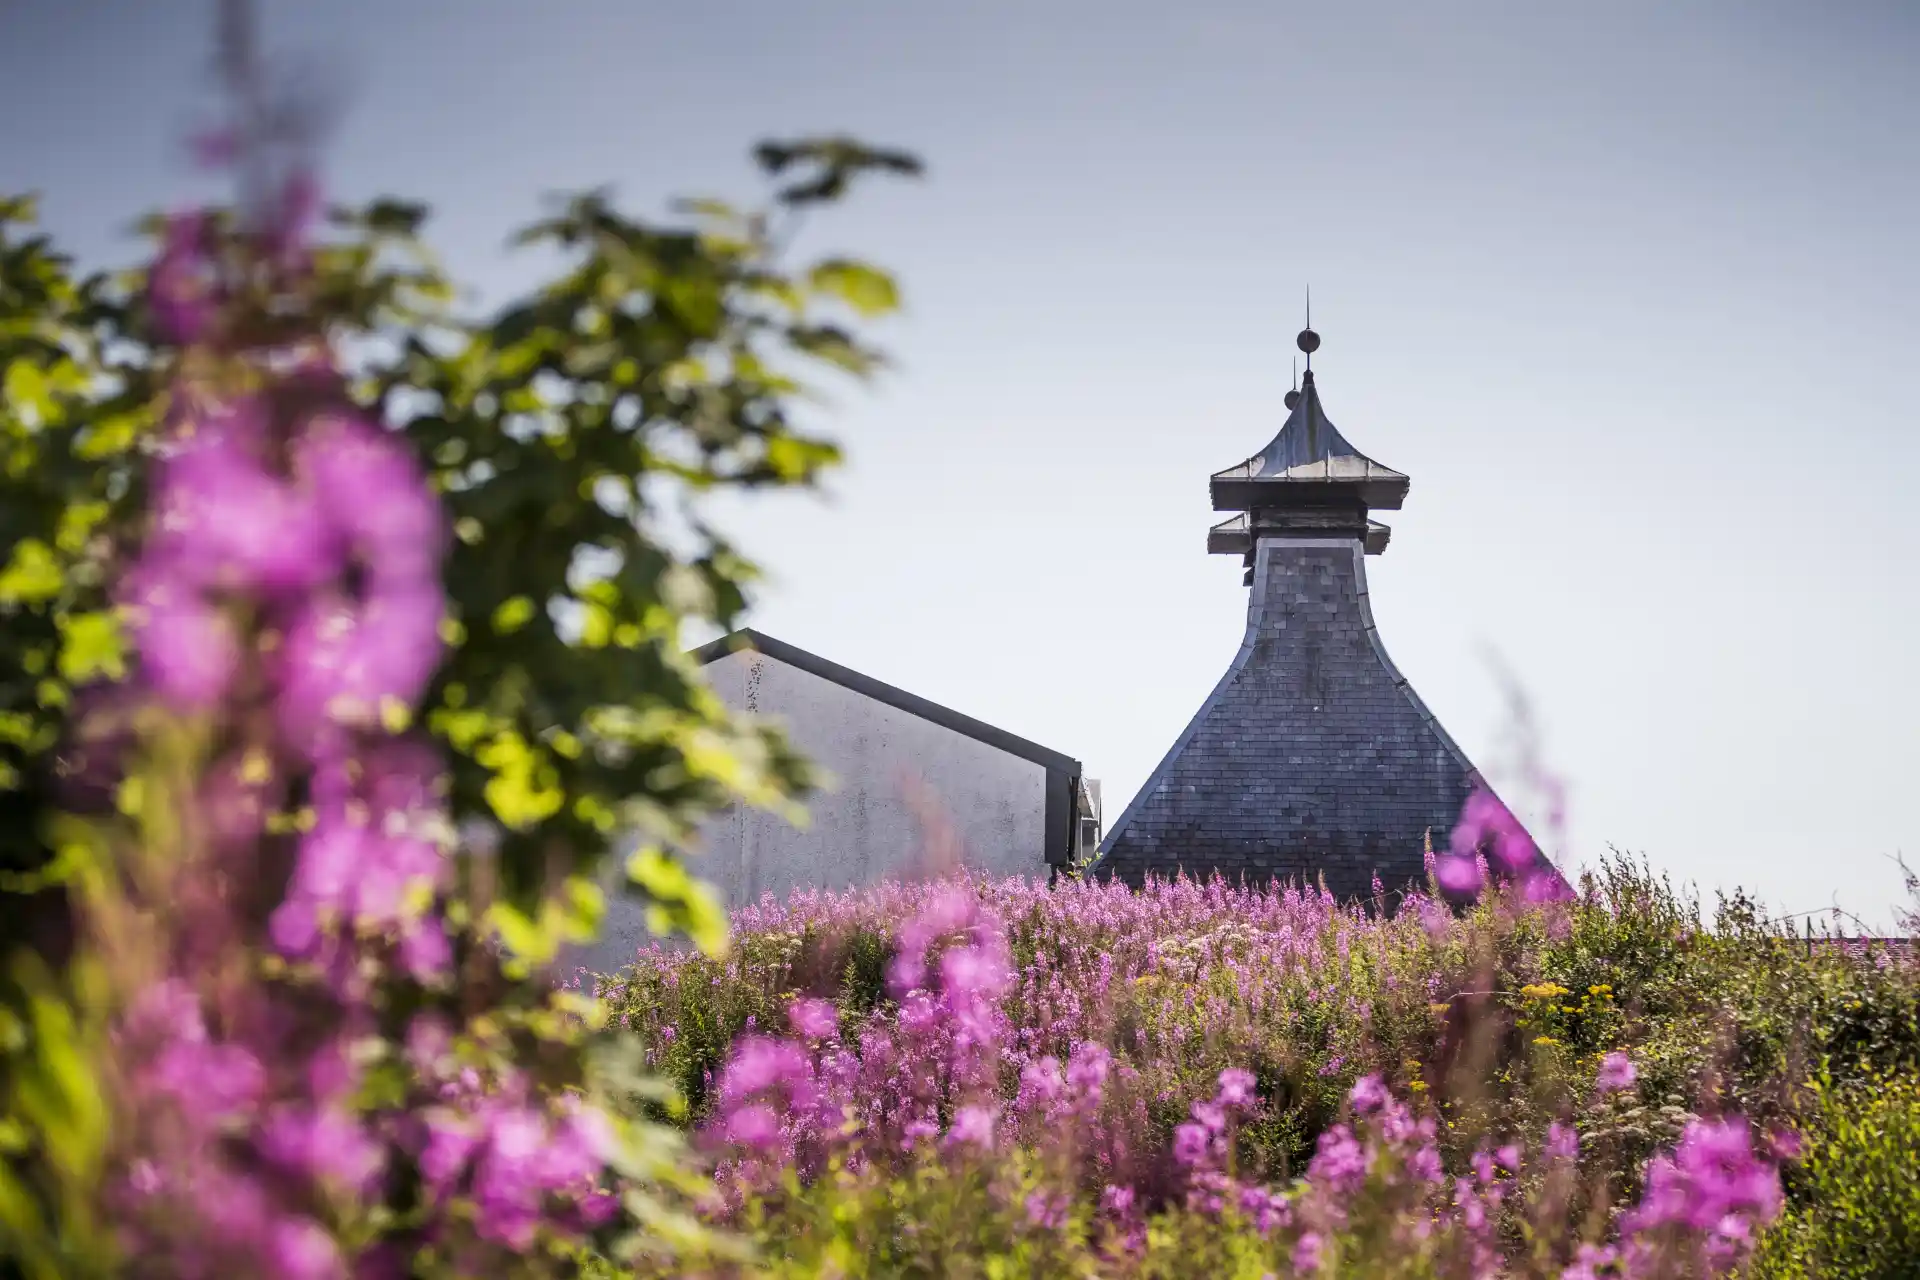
(1308, 341)
(1292, 398)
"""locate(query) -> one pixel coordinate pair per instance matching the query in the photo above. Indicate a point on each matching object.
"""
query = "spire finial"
(1293, 396)
(1309, 341)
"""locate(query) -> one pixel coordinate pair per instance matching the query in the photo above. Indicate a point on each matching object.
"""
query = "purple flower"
(516, 1171)
(1483, 1168)
(181, 288)
(760, 1063)
(1088, 1067)
(1563, 1142)
(341, 664)
(1236, 1087)
(973, 972)
(1048, 1211)
(1211, 1116)
(1424, 1164)
(1616, 1074)
(450, 1145)
(1265, 1208)
(1487, 825)
(328, 1145)
(1458, 876)
(301, 1249)
(295, 928)
(222, 521)
(814, 1019)
(1042, 1080)
(1545, 884)
(426, 953)
(1590, 1262)
(583, 1142)
(1340, 1163)
(972, 1126)
(429, 1044)
(1369, 1095)
(1712, 1174)
(189, 650)
(947, 912)
(211, 1082)
(1308, 1255)
(374, 493)
(1192, 1145)
(753, 1125)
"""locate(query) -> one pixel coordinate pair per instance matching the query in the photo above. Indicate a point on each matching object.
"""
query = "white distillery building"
(1013, 807)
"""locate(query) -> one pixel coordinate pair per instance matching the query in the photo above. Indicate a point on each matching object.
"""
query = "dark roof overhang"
(1234, 538)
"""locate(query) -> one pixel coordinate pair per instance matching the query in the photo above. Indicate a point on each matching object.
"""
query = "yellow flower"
(1543, 991)
(1418, 1086)
(1545, 1040)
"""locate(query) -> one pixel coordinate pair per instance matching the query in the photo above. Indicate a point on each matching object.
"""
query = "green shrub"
(1855, 1195)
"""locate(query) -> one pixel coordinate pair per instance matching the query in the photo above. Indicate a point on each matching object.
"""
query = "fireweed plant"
(273, 657)
(973, 1077)
(343, 1087)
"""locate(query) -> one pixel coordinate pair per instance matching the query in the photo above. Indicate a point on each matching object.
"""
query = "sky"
(1632, 291)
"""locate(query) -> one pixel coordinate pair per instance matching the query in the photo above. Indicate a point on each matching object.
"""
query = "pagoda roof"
(1309, 460)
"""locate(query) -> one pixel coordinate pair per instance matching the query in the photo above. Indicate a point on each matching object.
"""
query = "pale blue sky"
(1629, 289)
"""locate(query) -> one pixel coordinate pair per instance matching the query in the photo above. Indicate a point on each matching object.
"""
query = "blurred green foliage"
(573, 435)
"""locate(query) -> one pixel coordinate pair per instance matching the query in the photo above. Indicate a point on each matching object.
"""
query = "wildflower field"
(1005, 1078)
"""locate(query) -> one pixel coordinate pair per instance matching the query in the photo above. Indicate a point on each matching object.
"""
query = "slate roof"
(1313, 756)
(1309, 453)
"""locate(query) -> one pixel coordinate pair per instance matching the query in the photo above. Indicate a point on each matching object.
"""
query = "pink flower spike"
(814, 1018)
(1458, 876)
(301, 1249)
(375, 494)
(180, 288)
(753, 1126)
(1369, 1095)
(1236, 1087)
(1617, 1074)
(189, 650)
(1307, 1254)
(972, 1127)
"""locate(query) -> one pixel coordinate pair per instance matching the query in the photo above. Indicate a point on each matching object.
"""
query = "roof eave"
(1239, 493)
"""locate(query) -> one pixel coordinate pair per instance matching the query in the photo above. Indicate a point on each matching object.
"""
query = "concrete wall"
(865, 829)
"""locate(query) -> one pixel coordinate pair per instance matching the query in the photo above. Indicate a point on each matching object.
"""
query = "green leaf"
(32, 576)
(29, 393)
(868, 290)
(679, 899)
(91, 645)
